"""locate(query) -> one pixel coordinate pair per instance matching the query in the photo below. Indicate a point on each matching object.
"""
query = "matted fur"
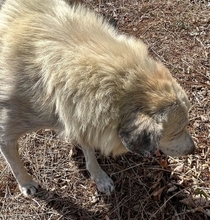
(67, 69)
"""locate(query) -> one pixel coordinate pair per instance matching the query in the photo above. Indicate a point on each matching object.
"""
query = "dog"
(65, 68)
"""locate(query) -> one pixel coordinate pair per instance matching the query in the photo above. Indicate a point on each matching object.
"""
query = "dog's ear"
(140, 134)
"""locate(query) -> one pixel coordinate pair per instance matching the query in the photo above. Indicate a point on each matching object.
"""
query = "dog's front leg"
(103, 181)
(26, 184)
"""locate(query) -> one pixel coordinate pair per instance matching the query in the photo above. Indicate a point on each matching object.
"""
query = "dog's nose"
(192, 150)
(191, 145)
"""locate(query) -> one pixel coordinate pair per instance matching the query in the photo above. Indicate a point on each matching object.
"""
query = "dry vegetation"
(177, 33)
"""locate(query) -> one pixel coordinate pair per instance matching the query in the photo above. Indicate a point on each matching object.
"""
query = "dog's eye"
(161, 117)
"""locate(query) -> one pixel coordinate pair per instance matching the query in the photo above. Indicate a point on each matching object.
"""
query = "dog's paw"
(30, 188)
(104, 184)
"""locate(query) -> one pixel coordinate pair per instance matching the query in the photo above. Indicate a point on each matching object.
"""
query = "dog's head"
(165, 131)
(160, 122)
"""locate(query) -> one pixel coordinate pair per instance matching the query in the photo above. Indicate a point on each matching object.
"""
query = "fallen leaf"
(163, 163)
(200, 192)
(172, 189)
(157, 194)
(189, 202)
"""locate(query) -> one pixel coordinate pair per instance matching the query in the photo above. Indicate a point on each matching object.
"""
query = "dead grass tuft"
(178, 34)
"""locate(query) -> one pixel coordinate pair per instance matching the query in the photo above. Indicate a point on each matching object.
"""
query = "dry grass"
(178, 34)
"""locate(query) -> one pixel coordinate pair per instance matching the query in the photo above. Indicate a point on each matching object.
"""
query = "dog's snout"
(192, 149)
(181, 146)
(192, 145)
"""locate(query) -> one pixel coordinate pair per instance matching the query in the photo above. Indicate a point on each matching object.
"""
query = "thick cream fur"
(66, 68)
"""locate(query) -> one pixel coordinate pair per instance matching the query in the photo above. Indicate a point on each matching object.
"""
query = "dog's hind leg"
(103, 181)
(10, 152)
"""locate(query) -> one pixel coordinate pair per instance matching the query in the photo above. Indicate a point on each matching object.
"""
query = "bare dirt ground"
(177, 33)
